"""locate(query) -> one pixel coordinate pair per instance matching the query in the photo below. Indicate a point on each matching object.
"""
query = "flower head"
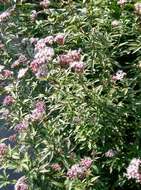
(132, 171)
(119, 75)
(79, 170)
(45, 3)
(46, 53)
(60, 39)
(42, 56)
(39, 111)
(4, 16)
(56, 167)
(64, 60)
(110, 153)
(40, 106)
(35, 64)
(76, 171)
(77, 66)
(3, 149)
(86, 163)
(21, 127)
(70, 57)
(8, 100)
(122, 2)
(21, 184)
(75, 55)
(49, 40)
(7, 73)
(40, 45)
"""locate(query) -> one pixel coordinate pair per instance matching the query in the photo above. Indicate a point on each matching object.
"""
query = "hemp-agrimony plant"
(70, 76)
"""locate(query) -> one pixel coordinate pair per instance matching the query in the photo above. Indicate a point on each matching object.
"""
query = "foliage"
(72, 97)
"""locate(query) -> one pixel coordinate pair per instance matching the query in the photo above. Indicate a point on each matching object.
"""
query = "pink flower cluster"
(71, 56)
(79, 170)
(21, 184)
(21, 127)
(39, 111)
(45, 3)
(56, 167)
(73, 60)
(6, 73)
(110, 153)
(36, 115)
(4, 16)
(44, 54)
(119, 75)
(77, 66)
(133, 170)
(8, 100)
(59, 39)
(86, 163)
(76, 171)
(3, 149)
(122, 2)
(49, 40)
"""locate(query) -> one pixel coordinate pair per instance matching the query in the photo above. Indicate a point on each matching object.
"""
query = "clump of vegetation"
(70, 75)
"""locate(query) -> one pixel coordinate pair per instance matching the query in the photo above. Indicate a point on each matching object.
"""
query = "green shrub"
(70, 90)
